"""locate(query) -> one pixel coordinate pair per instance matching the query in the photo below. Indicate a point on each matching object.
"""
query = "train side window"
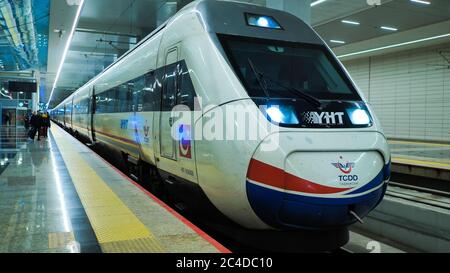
(114, 102)
(137, 95)
(87, 105)
(105, 102)
(81, 106)
(170, 87)
(186, 93)
(97, 104)
(148, 92)
(129, 97)
(111, 100)
(123, 98)
(101, 101)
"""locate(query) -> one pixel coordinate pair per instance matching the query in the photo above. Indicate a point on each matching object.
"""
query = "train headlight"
(359, 117)
(262, 21)
(282, 114)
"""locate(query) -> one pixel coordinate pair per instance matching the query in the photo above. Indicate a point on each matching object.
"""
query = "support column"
(36, 96)
(299, 8)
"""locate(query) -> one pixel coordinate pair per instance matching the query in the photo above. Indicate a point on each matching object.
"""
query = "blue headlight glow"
(282, 114)
(262, 21)
(359, 117)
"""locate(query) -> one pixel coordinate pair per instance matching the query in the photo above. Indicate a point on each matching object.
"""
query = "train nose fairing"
(313, 189)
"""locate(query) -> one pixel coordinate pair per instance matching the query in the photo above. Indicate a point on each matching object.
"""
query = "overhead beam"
(22, 74)
(103, 32)
(100, 28)
(94, 51)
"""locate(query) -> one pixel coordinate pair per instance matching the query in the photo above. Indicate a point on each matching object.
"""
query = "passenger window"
(148, 92)
(101, 103)
(106, 102)
(113, 102)
(124, 100)
(186, 93)
(129, 97)
(137, 95)
(170, 87)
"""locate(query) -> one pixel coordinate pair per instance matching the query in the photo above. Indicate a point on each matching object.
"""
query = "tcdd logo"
(146, 129)
(345, 168)
(146, 132)
(185, 141)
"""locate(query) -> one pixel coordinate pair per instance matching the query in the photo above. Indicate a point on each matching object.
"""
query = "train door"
(64, 116)
(168, 102)
(72, 108)
(92, 108)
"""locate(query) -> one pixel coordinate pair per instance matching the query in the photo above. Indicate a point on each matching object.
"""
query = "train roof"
(222, 17)
(228, 17)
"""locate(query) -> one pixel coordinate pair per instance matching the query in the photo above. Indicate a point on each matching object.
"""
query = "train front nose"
(314, 188)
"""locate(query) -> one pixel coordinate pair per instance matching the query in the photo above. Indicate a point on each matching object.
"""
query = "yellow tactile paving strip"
(116, 227)
(422, 163)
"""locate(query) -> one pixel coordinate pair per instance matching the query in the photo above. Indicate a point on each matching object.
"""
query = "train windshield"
(283, 70)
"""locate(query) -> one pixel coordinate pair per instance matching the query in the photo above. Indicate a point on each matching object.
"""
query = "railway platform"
(56, 195)
(427, 160)
(427, 154)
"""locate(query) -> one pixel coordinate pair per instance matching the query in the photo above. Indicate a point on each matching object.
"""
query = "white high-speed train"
(330, 163)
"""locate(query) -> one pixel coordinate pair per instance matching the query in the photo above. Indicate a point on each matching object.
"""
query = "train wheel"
(149, 177)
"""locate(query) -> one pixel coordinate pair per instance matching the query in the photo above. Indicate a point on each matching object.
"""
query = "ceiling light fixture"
(337, 41)
(317, 2)
(66, 49)
(421, 2)
(389, 28)
(395, 45)
(350, 22)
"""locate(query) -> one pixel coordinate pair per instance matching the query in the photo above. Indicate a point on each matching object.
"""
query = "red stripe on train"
(272, 176)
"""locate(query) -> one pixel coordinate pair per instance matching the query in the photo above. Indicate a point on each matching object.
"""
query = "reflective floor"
(32, 217)
(56, 195)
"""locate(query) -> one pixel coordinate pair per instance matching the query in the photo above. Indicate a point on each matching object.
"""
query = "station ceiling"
(108, 28)
(24, 29)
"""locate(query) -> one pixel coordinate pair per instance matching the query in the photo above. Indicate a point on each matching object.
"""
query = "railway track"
(422, 195)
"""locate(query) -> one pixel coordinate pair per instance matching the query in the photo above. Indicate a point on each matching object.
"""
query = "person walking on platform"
(7, 119)
(35, 123)
(26, 121)
(40, 129)
(45, 124)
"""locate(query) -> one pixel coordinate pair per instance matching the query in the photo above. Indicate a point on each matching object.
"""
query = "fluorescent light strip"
(337, 41)
(350, 22)
(66, 49)
(389, 28)
(317, 2)
(395, 45)
(421, 2)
